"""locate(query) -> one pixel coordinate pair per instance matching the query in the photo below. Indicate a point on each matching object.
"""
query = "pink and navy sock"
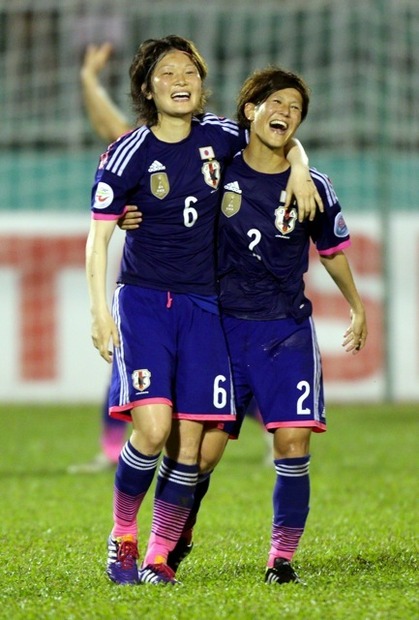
(173, 500)
(200, 492)
(133, 478)
(291, 506)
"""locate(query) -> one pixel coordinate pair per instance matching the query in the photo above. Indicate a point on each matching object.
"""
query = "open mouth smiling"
(277, 125)
(181, 96)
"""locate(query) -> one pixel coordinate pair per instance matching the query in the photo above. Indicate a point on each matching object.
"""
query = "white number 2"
(257, 236)
(304, 387)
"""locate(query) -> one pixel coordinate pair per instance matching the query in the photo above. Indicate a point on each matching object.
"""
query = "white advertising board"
(47, 354)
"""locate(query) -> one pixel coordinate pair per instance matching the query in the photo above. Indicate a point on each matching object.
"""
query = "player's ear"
(249, 111)
(147, 94)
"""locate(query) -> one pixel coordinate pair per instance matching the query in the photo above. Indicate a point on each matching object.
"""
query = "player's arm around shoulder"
(300, 184)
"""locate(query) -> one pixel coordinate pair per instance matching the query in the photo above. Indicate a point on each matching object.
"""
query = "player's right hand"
(131, 219)
(104, 331)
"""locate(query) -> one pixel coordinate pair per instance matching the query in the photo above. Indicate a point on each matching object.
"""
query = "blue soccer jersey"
(264, 250)
(263, 256)
(176, 187)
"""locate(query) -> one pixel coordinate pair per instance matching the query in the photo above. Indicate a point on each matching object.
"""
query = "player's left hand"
(301, 187)
(356, 335)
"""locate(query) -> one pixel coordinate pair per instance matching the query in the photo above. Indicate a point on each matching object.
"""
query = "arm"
(103, 325)
(338, 268)
(300, 183)
(106, 119)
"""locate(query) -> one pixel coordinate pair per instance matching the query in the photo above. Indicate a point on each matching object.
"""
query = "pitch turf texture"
(357, 555)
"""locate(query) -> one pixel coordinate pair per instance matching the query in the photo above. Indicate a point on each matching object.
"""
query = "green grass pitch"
(357, 556)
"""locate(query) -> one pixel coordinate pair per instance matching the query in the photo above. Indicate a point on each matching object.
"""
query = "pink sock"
(158, 549)
(112, 442)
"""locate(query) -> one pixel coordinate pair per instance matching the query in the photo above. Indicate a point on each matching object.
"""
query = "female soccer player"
(267, 319)
(169, 357)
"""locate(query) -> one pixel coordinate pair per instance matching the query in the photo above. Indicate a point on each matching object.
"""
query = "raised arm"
(105, 117)
(337, 266)
(300, 184)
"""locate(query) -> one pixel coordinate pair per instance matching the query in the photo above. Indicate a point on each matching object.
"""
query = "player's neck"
(172, 129)
(261, 158)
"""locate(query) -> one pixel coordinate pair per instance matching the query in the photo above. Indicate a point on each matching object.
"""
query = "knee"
(207, 464)
(188, 453)
(212, 449)
(151, 443)
(291, 451)
(291, 445)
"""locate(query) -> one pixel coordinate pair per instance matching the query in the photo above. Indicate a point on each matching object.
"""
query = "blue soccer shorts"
(278, 363)
(173, 351)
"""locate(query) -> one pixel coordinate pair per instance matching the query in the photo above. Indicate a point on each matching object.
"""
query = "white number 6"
(220, 394)
(190, 214)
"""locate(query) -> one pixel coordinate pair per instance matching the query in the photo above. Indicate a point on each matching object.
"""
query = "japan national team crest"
(285, 219)
(231, 203)
(141, 379)
(212, 172)
(159, 185)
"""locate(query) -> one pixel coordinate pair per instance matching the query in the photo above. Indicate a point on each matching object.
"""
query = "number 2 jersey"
(264, 250)
(176, 187)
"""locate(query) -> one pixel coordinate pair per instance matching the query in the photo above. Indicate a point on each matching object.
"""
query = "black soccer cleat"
(281, 572)
(179, 553)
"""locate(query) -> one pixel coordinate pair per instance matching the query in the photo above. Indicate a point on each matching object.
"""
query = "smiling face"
(274, 121)
(176, 85)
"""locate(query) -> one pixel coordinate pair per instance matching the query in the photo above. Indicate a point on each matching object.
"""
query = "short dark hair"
(146, 58)
(263, 83)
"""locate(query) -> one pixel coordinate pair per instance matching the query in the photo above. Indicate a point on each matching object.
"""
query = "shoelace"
(163, 570)
(127, 554)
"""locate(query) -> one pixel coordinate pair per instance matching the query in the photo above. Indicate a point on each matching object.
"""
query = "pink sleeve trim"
(104, 216)
(108, 216)
(341, 246)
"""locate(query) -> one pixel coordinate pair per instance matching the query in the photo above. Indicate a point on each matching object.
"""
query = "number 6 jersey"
(176, 187)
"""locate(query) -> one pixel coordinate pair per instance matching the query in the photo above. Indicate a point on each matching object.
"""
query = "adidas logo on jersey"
(233, 187)
(156, 166)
